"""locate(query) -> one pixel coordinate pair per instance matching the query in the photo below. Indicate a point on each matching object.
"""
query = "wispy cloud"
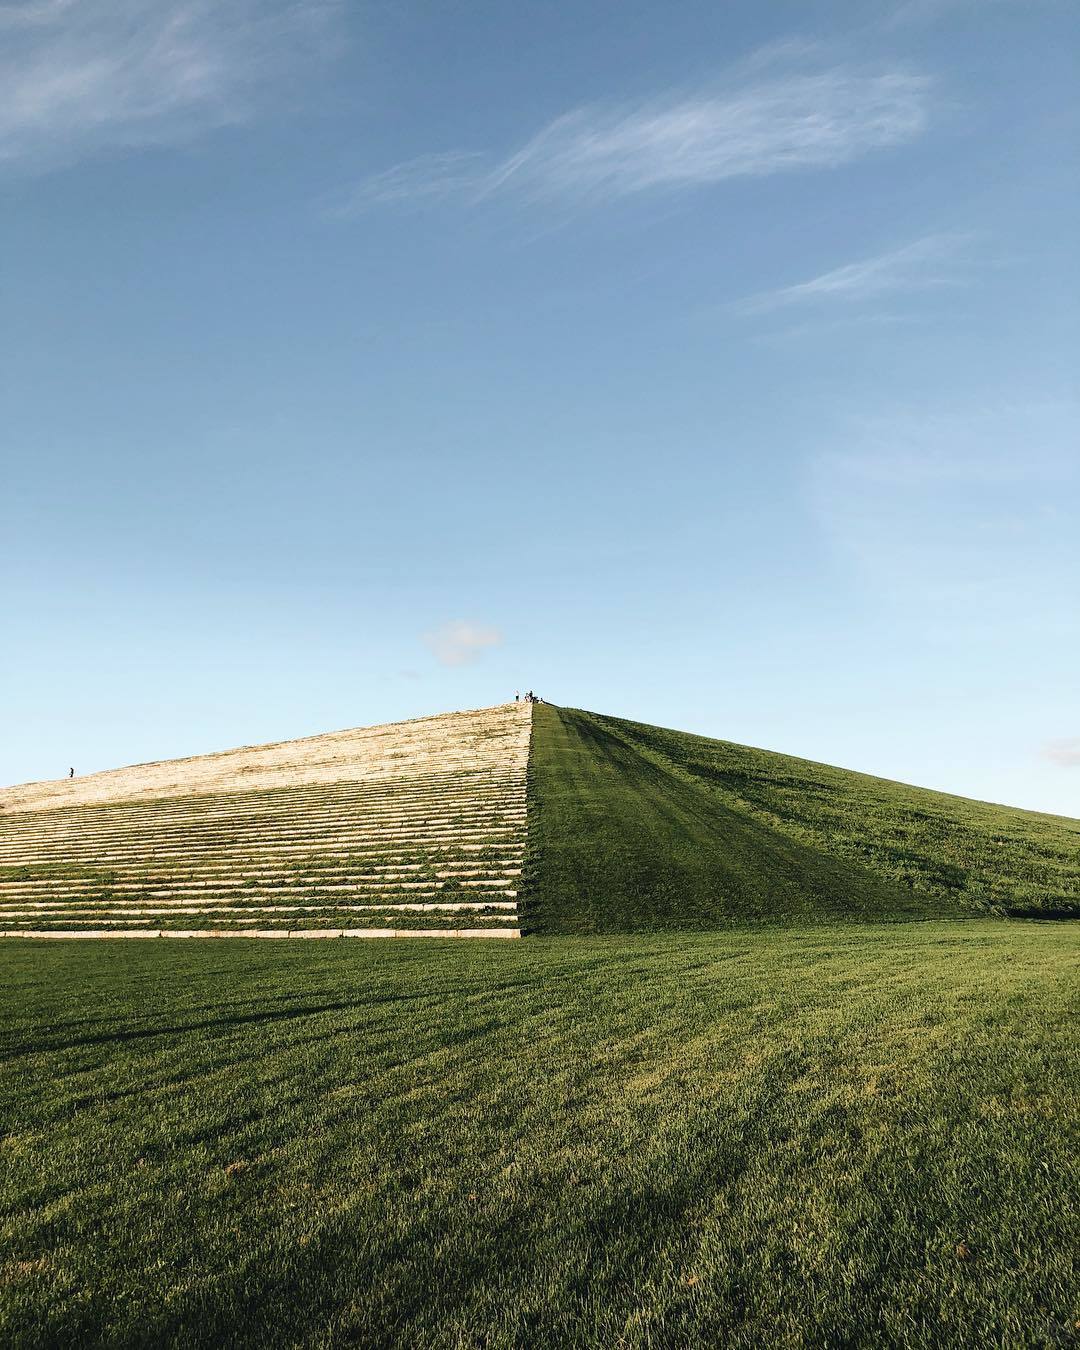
(460, 642)
(424, 179)
(1065, 753)
(753, 124)
(818, 327)
(926, 11)
(925, 264)
(796, 122)
(76, 78)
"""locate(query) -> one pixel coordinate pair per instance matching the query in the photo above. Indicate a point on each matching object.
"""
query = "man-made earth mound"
(420, 827)
(636, 828)
(392, 830)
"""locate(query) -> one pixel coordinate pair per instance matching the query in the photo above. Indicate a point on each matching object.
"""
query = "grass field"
(636, 828)
(843, 1136)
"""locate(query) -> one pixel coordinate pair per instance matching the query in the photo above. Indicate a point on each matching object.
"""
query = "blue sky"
(711, 364)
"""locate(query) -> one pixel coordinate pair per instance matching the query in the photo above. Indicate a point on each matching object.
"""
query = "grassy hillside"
(637, 828)
(856, 1136)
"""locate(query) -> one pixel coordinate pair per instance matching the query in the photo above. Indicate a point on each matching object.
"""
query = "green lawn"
(637, 828)
(843, 1136)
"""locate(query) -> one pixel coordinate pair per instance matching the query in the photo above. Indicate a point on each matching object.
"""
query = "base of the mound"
(273, 933)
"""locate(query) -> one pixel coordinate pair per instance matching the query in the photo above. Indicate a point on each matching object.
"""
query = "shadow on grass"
(210, 1024)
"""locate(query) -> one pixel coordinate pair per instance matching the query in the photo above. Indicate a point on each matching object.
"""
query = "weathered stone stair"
(415, 828)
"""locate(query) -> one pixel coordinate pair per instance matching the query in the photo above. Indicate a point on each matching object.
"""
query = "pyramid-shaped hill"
(390, 830)
(638, 828)
(508, 821)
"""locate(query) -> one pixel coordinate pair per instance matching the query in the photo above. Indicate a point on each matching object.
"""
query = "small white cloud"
(923, 265)
(76, 78)
(752, 125)
(1065, 752)
(459, 643)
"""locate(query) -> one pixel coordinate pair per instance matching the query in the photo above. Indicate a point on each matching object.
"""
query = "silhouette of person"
(71, 773)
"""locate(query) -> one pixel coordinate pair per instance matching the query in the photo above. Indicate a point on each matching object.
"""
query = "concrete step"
(90, 934)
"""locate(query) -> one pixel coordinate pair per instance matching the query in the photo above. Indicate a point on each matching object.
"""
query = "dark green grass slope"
(974, 856)
(637, 828)
(848, 1136)
(621, 839)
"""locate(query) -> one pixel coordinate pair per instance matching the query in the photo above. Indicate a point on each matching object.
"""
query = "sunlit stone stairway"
(411, 829)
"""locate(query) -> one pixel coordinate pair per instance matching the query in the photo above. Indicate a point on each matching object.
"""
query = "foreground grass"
(827, 1136)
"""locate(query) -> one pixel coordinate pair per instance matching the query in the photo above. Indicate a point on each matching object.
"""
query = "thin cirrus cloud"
(428, 177)
(461, 642)
(1065, 753)
(924, 264)
(77, 78)
(753, 126)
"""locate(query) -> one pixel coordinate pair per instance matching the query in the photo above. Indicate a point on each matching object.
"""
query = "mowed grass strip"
(636, 828)
(970, 855)
(815, 1136)
(623, 841)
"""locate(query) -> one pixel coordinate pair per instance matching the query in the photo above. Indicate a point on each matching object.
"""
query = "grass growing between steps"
(858, 1136)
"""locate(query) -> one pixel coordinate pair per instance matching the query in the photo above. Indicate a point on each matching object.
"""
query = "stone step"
(247, 916)
(225, 806)
(42, 910)
(389, 876)
(437, 889)
(494, 887)
(256, 918)
(213, 876)
(301, 826)
(386, 785)
(493, 837)
(388, 858)
(87, 935)
(361, 829)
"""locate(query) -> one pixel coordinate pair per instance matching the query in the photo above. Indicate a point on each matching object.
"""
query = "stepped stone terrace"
(411, 829)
